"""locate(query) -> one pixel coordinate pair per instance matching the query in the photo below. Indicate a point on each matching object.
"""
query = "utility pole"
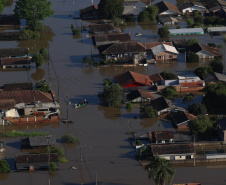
(96, 178)
(194, 149)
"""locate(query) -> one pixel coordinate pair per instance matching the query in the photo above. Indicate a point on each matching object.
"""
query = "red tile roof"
(199, 47)
(7, 104)
(14, 61)
(27, 96)
(150, 45)
(156, 77)
(193, 84)
(161, 135)
(145, 94)
(131, 77)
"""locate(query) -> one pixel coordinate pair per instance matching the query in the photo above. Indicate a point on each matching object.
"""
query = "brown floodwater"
(103, 154)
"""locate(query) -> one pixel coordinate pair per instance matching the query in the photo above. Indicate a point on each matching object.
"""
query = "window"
(171, 56)
(158, 57)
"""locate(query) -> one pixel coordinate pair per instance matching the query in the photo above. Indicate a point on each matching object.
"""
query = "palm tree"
(160, 170)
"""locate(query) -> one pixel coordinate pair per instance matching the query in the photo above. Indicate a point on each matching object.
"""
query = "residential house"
(29, 104)
(165, 136)
(2, 149)
(14, 35)
(9, 21)
(132, 79)
(222, 128)
(150, 45)
(215, 77)
(123, 51)
(160, 104)
(38, 142)
(180, 44)
(174, 151)
(167, 20)
(221, 29)
(204, 51)
(190, 7)
(187, 31)
(180, 119)
(164, 52)
(98, 29)
(105, 39)
(14, 58)
(18, 86)
(90, 12)
(139, 96)
(214, 8)
(156, 79)
(34, 161)
(129, 9)
(166, 8)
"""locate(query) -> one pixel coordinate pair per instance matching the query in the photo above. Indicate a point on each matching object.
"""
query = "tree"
(203, 71)
(202, 127)
(192, 57)
(43, 52)
(160, 170)
(210, 20)
(217, 65)
(112, 95)
(129, 105)
(192, 41)
(148, 112)
(197, 109)
(143, 16)
(163, 32)
(109, 9)
(153, 11)
(38, 59)
(198, 19)
(33, 11)
(69, 138)
(2, 5)
(4, 166)
(169, 92)
(189, 22)
(53, 166)
(168, 76)
(189, 97)
(43, 86)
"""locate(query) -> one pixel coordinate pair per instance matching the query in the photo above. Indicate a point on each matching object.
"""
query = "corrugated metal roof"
(162, 48)
(216, 29)
(186, 31)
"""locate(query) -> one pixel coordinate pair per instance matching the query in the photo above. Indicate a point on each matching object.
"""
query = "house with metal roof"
(166, 8)
(186, 31)
(216, 29)
(139, 96)
(215, 77)
(164, 52)
(167, 20)
(204, 51)
(190, 7)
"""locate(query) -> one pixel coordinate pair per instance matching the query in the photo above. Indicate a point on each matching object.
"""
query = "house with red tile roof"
(139, 96)
(132, 79)
(156, 79)
(166, 8)
(165, 136)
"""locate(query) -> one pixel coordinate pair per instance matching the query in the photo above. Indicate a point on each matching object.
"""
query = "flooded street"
(104, 154)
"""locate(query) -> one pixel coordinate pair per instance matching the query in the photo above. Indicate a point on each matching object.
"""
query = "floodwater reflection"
(110, 112)
(38, 75)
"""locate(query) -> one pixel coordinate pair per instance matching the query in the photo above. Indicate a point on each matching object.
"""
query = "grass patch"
(53, 166)
(55, 149)
(63, 160)
(69, 138)
(24, 134)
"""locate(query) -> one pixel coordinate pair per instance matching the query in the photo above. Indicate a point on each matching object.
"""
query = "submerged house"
(165, 136)
(90, 12)
(34, 161)
(215, 77)
(174, 151)
(9, 21)
(14, 58)
(98, 29)
(161, 105)
(204, 51)
(166, 8)
(139, 96)
(123, 50)
(38, 142)
(192, 7)
(180, 44)
(167, 20)
(110, 38)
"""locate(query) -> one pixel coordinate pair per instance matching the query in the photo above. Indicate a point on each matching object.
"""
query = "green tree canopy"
(33, 11)
(168, 76)
(189, 97)
(69, 138)
(192, 41)
(217, 65)
(163, 32)
(153, 11)
(109, 9)
(203, 71)
(197, 109)
(160, 170)
(38, 59)
(203, 127)
(2, 5)
(143, 16)
(43, 52)
(192, 57)
(112, 95)
(148, 112)
(4, 166)
(43, 86)
(169, 92)
(189, 22)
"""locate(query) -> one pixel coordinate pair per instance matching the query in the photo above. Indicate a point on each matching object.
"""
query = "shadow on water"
(66, 16)
(148, 122)
(11, 162)
(16, 144)
(35, 45)
(110, 112)
(4, 176)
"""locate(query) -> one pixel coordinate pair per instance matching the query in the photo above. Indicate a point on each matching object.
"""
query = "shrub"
(69, 138)
(178, 27)
(88, 60)
(107, 82)
(203, 71)
(197, 109)
(43, 86)
(148, 111)
(138, 142)
(129, 105)
(163, 32)
(129, 18)
(143, 16)
(76, 31)
(27, 34)
(55, 149)
(63, 160)
(217, 65)
(192, 57)
(168, 76)
(4, 166)
(43, 52)
(119, 22)
(53, 166)
(169, 92)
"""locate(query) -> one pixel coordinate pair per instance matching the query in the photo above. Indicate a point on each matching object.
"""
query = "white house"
(191, 7)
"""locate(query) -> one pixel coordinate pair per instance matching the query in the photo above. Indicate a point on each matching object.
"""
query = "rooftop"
(216, 29)
(178, 117)
(163, 48)
(214, 77)
(139, 93)
(159, 104)
(42, 140)
(121, 37)
(7, 104)
(156, 77)
(199, 47)
(150, 45)
(18, 86)
(36, 158)
(186, 31)
(164, 6)
(163, 135)
(15, 61)
(13, 52)
(101, 27)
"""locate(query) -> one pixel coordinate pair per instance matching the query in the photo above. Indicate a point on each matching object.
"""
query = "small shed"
(167, 20)
(186, 31)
